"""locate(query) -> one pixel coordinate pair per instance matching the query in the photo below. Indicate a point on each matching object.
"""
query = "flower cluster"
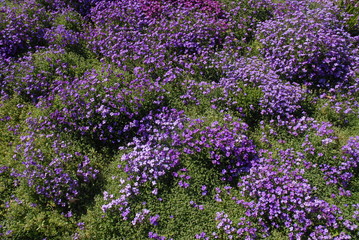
(124, 32)
(342, 174)
(99, 104)
(308, 45)
(162, 143)
(22, 28)
(281, 196)
(279, 98)
(51, 167)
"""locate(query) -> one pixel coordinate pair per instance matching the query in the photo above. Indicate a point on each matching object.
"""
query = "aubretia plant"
(101, 102)
(22, 27)
(172, 31)
(54, 171)
(163, 144)
(309, 46)
(179, 119)
(279, 196)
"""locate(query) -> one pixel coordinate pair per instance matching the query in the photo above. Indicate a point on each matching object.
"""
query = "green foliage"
(246, 15)
(26, 220)
(352, 8)
(328, 113)
(13, 113)
(71, 20)
(248, 104)
(71, 63)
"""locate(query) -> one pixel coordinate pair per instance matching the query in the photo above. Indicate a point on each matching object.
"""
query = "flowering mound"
(310, 46)
(179, 119)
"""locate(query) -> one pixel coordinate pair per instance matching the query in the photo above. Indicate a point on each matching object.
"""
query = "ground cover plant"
(179, 119)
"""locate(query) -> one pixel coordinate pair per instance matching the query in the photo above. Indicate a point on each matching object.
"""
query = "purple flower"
(154, 219)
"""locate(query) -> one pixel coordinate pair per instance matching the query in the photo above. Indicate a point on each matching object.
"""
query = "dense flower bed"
(179, 119)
